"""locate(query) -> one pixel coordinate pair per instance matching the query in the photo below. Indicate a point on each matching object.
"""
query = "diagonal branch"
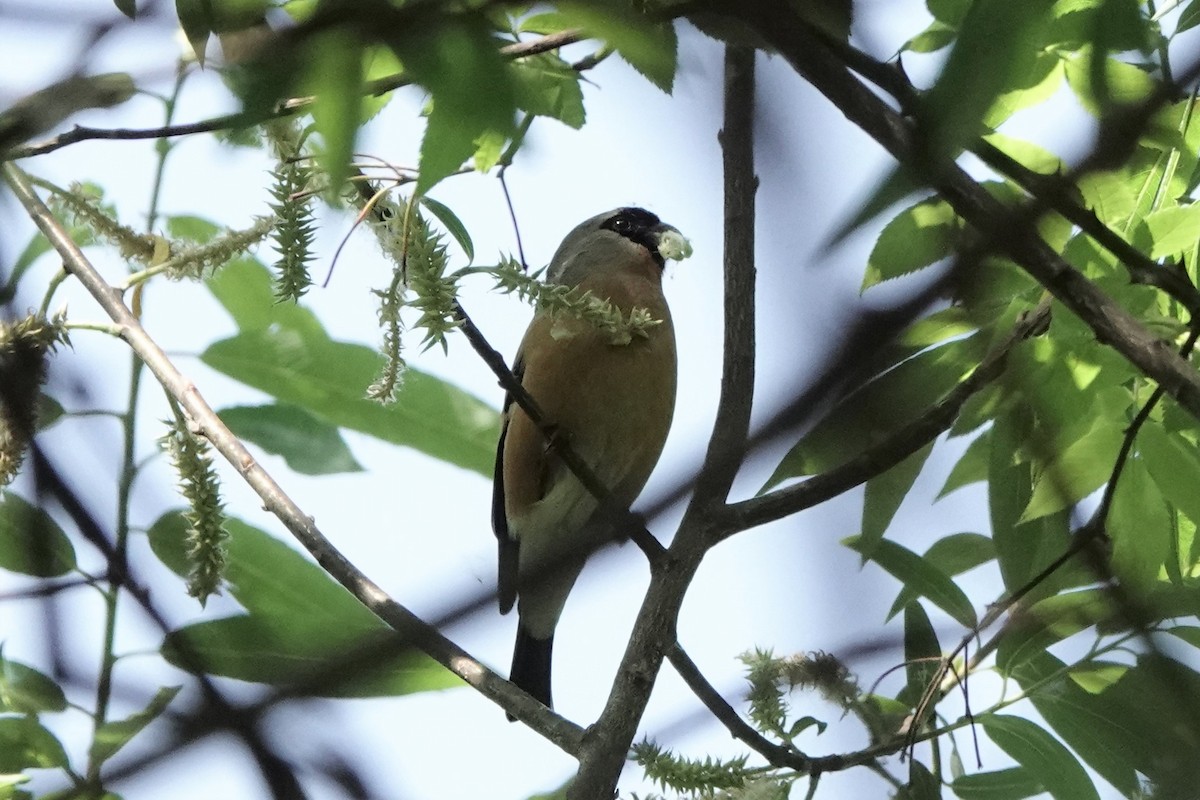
(1055, 192)
(888, 452)
(1109, 321)
(428, 639)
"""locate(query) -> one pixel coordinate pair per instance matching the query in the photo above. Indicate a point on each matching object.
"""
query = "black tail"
(531, 666)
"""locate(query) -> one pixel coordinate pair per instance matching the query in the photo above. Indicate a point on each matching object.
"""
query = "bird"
(609, 397)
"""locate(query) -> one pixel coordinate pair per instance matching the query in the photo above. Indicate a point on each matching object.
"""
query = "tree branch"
(429, 640)
(607, 742)
(887, 453)
(775, 754)
(1109, 321)
(286, 108)
(727, 446)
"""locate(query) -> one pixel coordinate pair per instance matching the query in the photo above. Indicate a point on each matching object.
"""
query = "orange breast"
(613, 402)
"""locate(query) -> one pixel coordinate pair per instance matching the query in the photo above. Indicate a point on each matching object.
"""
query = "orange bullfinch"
(610, 397)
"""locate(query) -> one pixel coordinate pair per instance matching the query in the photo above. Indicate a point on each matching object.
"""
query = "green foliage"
(309, 444)
(301, 629)
(115, 734)
(24, 690)
(31, 542)
(284, 351)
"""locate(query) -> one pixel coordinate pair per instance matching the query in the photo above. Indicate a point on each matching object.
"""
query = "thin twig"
(289, 107)
(888, 452)
(775, 754)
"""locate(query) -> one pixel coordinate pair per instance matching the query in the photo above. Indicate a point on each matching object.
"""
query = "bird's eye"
(622, 225)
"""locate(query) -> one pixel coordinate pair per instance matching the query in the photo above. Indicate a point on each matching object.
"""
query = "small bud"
(674, 246)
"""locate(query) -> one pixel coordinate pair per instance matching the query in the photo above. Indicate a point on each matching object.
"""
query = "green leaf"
(939, 327)
(885, 403)
(283, 351)
(378, 63)
(919, 577)
(921, 654)
(949, 12)
(1114, 26)
(1086, 722)
(24, 690)
(917, 237)
(1076, 472)
(896, 186)
(452, 224)
(1023, 548)
(922, 785)
(649, 46)
(268, 577)
(456, 59)
(1175, 467)
(951, 555)
(336, 75)
(1048, 762)
(996, 37)
(1186, 633)
(489, 149)
(1190, 17)
(316, 661)
(1029, 155)
(885, 493)
(1034, 79)
(932, 39)
(548, 86)
(310, 445)
(192, 228)
(301, 624)
(196, 20)
(1096, 676)
(1173, 231)
(1052, 620)
(1014, 783)
(1140, 527)
(1155, 701)
(49, 411)
(244, 288)
(1110, 195)
(804, 723)
(1123, 83)
(9, 784)
(25, 744)
(31, 543)
(127, 7)
(971, 467)
(115, 734)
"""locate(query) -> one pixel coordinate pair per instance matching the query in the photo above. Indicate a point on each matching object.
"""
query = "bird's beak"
(672, 245)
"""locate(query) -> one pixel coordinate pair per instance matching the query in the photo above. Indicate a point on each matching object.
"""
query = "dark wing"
(508, 546)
